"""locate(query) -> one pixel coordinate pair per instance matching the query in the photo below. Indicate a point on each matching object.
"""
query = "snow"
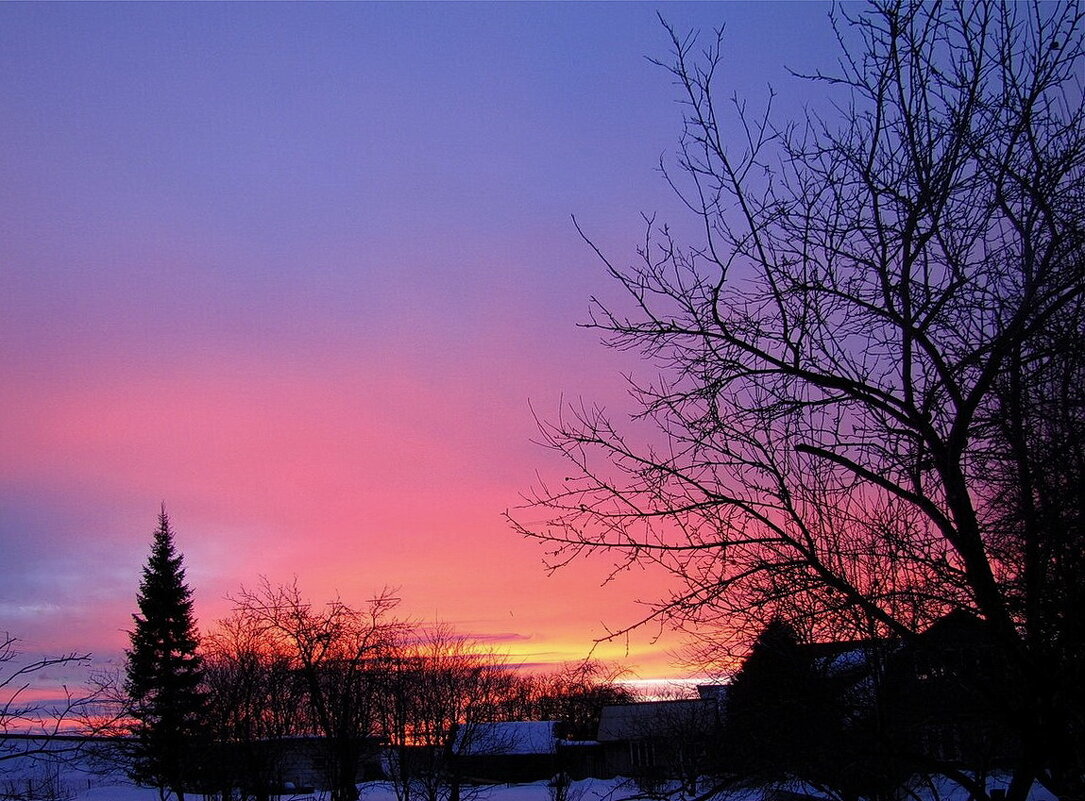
(514, 737)
(117, 792)
(940, 788)
(74, 784)
(588, 790)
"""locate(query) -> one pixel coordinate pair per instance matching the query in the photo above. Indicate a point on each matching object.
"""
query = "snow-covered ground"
(589, 790)
(69, 783)
(75, 786)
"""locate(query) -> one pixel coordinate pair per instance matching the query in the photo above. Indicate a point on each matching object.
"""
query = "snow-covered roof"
(850, 659)
(657, 718)
(510, 737)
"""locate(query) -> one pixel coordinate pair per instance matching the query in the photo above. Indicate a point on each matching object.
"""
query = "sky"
(306, 273)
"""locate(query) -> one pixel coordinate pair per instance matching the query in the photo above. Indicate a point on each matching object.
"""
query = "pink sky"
(302, 272)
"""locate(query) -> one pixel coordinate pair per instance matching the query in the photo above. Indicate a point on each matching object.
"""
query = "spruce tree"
(776, 708)
(164, 672)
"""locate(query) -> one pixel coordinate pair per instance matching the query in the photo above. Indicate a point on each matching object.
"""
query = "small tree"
(576, 694)
(164, 672)
(341, 656)
(770, 708)
(256, 699)
(443, 693)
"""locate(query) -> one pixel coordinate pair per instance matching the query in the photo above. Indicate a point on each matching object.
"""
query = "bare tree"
(575, 695)
(444, 690)
(846, 421)
(340, 653)
(41, 730)
(255, 699)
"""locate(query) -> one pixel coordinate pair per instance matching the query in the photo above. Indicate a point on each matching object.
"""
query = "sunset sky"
(303, 273)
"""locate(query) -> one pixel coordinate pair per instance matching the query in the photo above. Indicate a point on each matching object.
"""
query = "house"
(673, 739)
(925, 699)
(939, 692)
(511, 751)
(714, 692)
(281, 764)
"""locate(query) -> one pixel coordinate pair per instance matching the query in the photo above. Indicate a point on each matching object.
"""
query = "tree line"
(206, 713)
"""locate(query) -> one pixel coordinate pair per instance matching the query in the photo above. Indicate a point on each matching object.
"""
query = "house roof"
(509, 737)
(716, 692)
(657, 718)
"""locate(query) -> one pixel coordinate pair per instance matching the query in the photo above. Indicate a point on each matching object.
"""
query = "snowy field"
(589, 790)
(67, 783)
(74, 785)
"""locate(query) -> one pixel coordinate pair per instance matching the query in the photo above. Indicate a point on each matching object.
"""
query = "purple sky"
(298, 270)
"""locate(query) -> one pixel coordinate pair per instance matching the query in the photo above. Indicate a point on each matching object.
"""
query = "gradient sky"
(302, 272)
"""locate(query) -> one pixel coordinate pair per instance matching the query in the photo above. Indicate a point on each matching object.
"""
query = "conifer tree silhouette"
(775, 707)
(164, 672)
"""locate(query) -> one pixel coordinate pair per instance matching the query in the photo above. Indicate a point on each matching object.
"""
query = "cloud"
(16, 611)
(500, 637)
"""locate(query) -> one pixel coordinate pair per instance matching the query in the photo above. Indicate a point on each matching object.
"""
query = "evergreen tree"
(809, 712)
(164, 672)
(776, 708)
